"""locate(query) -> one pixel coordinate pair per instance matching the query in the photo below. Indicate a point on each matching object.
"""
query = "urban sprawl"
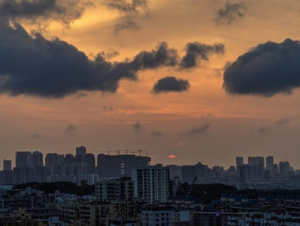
(125, 189)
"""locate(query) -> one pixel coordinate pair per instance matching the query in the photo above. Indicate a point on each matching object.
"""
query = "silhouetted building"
(91, 161)
(256, 161)
(81, 151)
(23, 159)
(69, 159)
(51, 159)
(7, 165)
(189, 172)
(60, 159)
(37, 159)
(119, 165)
(269, 162)
(284, 168)
(239, 161)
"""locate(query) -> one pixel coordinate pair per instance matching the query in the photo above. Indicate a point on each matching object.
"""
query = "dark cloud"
(282, 122)
(199, 130)
(33, 65)
(137, 126)
(156, 134)
(266, 70)
(197, 52)
(35, 136)
(230, 13)
(65, 11)
(170, 84)
(131, 13)
(70, 129)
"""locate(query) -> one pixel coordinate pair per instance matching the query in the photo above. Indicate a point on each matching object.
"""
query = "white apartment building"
(151, 183)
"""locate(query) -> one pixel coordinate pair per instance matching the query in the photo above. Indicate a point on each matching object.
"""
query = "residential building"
(151, 183)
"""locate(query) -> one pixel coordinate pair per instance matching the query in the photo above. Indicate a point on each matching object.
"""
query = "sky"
(204, 80)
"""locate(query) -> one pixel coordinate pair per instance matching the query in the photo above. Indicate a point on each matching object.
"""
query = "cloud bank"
(64, 11)
(33, 65)
(266, 70)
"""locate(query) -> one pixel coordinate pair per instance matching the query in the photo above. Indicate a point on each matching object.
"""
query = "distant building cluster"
(31, 167)
(258, 172)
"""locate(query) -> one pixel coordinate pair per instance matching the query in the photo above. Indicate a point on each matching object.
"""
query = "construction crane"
(105, 152)
(140, 151)
(191, 188)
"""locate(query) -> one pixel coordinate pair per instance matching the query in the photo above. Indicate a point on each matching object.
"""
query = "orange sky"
(239, 125)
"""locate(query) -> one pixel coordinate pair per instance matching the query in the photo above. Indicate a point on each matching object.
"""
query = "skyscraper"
(23, 159)
(7, 165)
(119, 165)
(37, 159)
(81, 151)
(284, 168)
(269, 162)
(69, 159)
(90, 160)
(239, 161)
(51, 159)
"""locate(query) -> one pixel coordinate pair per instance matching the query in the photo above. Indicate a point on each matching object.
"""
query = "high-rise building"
(79, 158)
(119, 165)
(151, 183)
(284, 168)
(175, 171)
(23, 159)
(239, 161)
(81, 151)
(256, 161)
(37, 159)
(117, 189)
(7, 165)
(190, 172)
(89, 158)
(51, 159)
(269, 162)
(69, 159)
(60, 159)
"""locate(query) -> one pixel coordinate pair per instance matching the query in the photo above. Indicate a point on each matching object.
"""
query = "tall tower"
(269, 162)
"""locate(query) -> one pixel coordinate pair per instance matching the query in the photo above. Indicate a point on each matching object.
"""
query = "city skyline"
(205, 80)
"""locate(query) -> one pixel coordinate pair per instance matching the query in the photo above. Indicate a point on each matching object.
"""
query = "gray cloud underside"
(65, 11)
(171, 84)
(127, 8)
(33, 65)
(197, 52)
(266, 70)
(199, 130)
(230, 13)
